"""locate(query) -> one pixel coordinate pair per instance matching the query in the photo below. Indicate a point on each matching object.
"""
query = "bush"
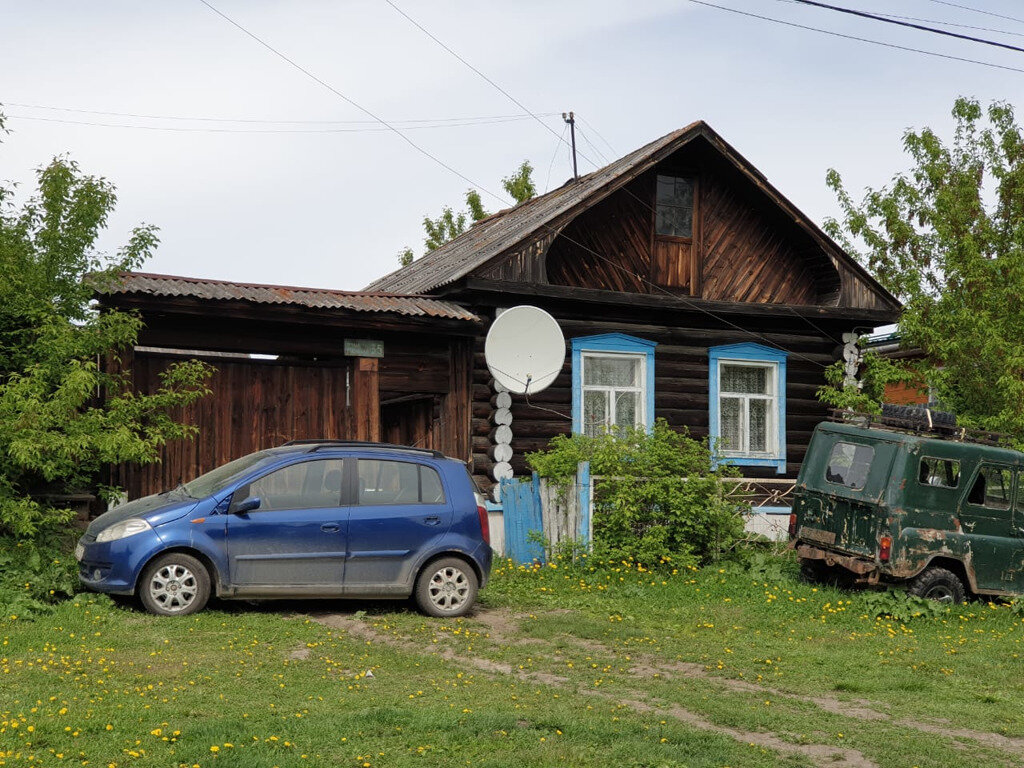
(659, 501)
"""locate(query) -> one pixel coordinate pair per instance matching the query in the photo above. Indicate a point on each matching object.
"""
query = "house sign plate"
(364, 348)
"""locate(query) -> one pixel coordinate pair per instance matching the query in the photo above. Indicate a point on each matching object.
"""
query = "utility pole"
(571, 120)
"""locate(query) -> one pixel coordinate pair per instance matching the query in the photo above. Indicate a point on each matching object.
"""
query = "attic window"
(674, 206)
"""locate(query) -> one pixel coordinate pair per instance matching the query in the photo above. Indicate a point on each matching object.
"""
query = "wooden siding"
(743, 250)
(671, 263)
(254, 405)
(619, 230)
(417, 394)
(749, 255)
(681, 384)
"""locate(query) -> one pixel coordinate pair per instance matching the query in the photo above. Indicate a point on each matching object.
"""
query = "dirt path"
(505, 626)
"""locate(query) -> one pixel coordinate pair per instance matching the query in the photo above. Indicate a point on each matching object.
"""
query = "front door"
(295, 541)
(986, 520)
(400, 508)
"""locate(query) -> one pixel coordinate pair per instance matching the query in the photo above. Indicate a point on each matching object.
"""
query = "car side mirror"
(246, 505)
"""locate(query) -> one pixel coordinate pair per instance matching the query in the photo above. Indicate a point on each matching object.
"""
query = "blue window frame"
(747, 399)
(612, 383)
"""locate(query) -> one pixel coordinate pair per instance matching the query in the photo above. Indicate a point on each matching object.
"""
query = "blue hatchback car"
(309, 519)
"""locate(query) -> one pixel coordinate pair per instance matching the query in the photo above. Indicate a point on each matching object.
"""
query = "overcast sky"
(327, 203)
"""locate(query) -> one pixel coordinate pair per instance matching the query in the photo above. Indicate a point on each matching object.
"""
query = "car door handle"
(432, 520)
(330, 527)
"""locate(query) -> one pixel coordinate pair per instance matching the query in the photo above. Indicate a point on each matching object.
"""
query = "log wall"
(681, 383)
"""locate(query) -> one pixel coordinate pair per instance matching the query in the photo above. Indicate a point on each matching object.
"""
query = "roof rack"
(332, 443)
(918, 421)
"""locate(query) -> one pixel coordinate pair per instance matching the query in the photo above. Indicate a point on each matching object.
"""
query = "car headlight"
(120, 530)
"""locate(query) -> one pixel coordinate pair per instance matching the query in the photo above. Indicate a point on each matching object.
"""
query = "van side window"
(992, 488)
(944, 473)
(848, 464)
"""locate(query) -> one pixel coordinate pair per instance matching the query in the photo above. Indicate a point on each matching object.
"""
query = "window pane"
(627, 410)
(941, 472)
(674, 206)
(431, 491)
(992, 488)
(745, 379)
(730, 420)
(595, 412)
(388, 482)
(849, 464)
(758, 430)
(612, 371)
(308, 485)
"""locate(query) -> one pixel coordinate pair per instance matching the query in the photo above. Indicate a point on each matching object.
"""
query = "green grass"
(559, 666)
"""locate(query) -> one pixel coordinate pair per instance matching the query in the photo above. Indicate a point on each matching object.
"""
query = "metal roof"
(319, 298)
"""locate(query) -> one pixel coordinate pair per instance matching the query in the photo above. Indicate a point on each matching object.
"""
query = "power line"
(181, 129)
(439, 120)
(948, 24)
(597, 133)
(978, 10)
(859, 39)
(508, 95)
(558, 146)
(449, 168)
(646, 203)
(352, 102)
(910, 25)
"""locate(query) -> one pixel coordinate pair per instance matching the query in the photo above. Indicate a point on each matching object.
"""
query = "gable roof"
(353, 301)
(498, 233)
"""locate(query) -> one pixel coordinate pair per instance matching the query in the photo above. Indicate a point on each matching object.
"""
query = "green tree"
(450, 224)
(947, 238)
(56, 430)
(520, 184)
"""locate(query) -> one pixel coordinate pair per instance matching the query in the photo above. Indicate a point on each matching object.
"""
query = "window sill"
(751, 461)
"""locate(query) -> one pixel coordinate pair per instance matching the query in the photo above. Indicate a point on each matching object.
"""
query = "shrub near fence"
(659, 500)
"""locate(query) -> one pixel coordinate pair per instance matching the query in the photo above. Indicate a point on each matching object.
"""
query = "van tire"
(938, 584)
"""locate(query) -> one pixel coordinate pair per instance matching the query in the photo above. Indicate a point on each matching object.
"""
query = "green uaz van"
(944, 517)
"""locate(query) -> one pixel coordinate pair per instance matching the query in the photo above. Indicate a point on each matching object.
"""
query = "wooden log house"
(686, 285)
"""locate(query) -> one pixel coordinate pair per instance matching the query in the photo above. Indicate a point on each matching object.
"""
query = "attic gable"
(748, 243)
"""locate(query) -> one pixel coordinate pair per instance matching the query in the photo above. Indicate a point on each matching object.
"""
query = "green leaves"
(66, 408)
(947, 238)
(658, 501)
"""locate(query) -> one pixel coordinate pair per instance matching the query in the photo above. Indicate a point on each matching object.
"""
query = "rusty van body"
(942, 516)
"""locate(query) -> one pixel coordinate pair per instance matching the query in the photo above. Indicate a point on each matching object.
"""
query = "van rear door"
(842, 507)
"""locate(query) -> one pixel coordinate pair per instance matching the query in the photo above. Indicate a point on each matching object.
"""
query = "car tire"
(938, 584)
(174, 584)
(446, 588)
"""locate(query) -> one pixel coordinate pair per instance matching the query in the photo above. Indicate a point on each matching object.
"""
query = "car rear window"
(848, 464)
(944, 473)
(398, 482)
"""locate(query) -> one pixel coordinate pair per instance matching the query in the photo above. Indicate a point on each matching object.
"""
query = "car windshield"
(212, 481)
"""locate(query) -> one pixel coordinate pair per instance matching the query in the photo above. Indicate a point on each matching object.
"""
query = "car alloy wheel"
(173, 587)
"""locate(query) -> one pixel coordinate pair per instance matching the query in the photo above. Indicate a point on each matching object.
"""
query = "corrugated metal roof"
(504, 229)
(220, 290)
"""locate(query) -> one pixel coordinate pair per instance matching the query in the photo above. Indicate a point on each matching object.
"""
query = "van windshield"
(848, 464)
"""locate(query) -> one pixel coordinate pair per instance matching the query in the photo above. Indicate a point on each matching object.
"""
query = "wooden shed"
(686, 285)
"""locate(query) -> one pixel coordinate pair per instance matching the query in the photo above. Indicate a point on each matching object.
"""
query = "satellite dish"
(525, 349)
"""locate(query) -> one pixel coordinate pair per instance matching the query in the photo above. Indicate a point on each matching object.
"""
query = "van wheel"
(174, 584)
(446, 588)
(938, 584)
(811, 571)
